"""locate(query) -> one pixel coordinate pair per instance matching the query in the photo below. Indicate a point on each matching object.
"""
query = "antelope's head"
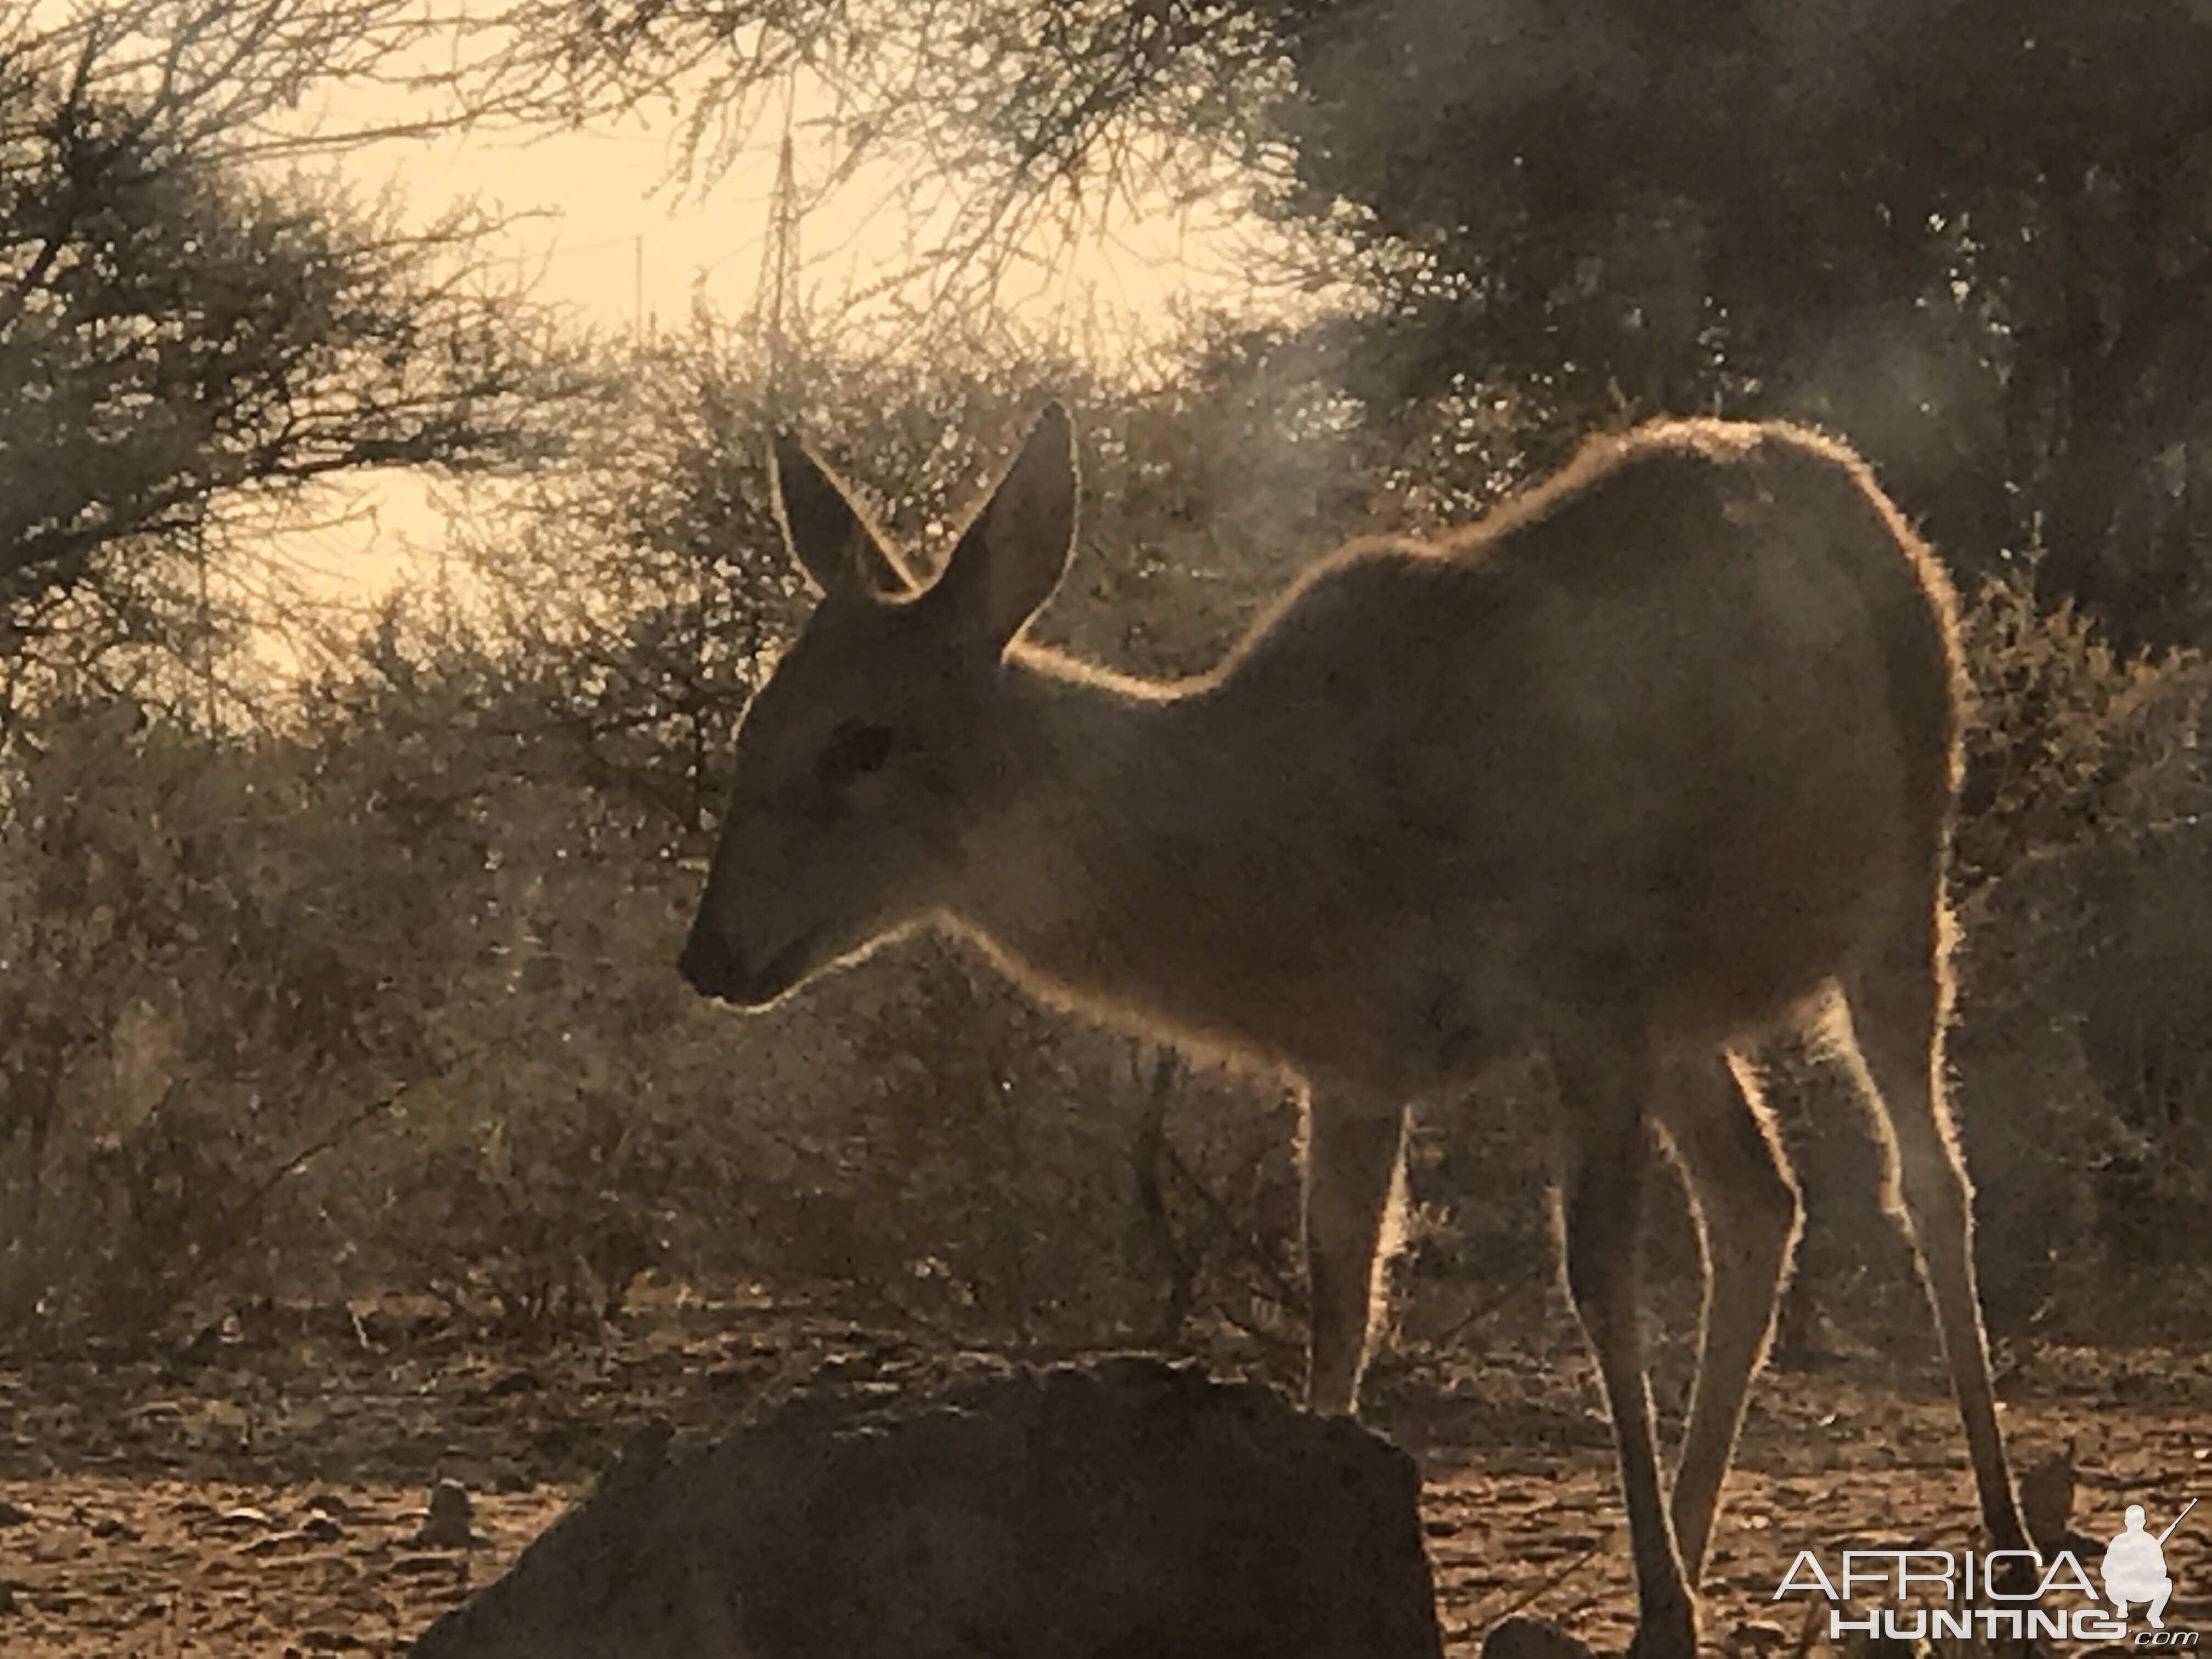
(864, 759)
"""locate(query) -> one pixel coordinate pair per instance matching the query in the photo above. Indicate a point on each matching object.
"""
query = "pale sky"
(602, 228)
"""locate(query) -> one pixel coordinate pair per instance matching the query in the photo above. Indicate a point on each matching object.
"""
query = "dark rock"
(1521, 1637)
(451, 1523)
(1125, 1510)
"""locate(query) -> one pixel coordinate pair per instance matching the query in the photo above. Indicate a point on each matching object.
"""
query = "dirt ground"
(260, 1491)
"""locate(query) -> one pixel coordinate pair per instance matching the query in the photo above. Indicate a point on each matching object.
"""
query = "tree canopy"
(1971, 238)
(186, 330)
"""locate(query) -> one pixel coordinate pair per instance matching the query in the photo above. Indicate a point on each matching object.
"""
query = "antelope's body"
(1658, 757)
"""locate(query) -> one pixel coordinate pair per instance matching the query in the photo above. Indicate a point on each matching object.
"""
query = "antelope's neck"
(1100, 776)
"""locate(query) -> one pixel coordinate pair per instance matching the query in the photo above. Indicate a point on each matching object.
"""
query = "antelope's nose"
(712, 968)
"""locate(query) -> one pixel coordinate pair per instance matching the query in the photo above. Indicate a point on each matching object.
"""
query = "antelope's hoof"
(1666, 1638)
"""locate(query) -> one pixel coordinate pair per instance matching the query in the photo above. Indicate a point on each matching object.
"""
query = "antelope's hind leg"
(1898, 1011)
(1353, 1146)
(1747, 1212)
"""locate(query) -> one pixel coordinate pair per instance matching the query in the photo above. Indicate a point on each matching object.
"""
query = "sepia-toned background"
(385, 561)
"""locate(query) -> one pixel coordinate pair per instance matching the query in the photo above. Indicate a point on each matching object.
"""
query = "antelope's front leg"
(1352, 1149)
(1605, 1156)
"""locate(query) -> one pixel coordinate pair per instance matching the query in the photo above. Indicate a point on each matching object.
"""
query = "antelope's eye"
(855, 748)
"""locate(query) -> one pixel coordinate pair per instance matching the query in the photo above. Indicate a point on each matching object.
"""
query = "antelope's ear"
(825, 533)
(1014, 553)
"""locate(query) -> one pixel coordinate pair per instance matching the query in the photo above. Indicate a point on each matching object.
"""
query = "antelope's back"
(1677, 727)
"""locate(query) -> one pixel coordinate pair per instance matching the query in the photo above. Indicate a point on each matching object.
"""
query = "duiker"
(1653, 761)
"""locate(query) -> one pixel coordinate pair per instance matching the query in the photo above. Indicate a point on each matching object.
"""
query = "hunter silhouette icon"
(2135, 1567)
